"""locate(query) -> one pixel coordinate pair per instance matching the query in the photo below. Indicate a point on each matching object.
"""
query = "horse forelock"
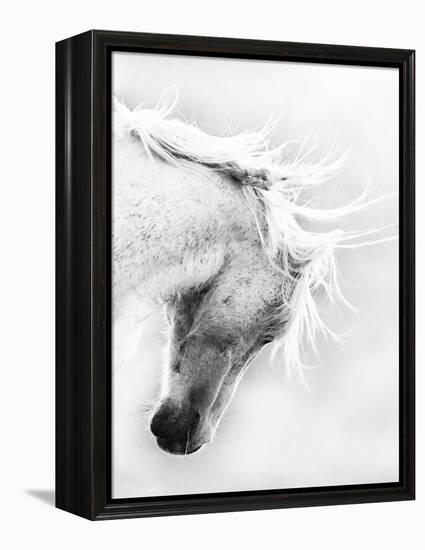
(272, 186)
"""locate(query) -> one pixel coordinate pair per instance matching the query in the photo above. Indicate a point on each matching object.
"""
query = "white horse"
(214, 229)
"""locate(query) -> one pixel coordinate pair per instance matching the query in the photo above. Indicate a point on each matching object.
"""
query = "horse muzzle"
(177, 429)
(176, 447)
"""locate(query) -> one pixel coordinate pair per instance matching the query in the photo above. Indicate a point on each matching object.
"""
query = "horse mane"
(272, 186)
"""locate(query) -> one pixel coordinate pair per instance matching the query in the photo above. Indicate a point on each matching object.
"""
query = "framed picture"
(235, 274)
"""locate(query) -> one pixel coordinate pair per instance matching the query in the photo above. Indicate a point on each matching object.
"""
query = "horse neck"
(172, 225)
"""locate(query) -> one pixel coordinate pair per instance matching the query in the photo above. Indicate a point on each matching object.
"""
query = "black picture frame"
(83, 315)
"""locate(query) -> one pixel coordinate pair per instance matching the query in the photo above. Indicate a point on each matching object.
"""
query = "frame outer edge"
(82, 274)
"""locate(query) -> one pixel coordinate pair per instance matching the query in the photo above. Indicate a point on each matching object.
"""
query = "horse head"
(217, 228)
(214, 333)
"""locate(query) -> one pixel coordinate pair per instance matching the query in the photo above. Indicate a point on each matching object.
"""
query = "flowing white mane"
(272, 187)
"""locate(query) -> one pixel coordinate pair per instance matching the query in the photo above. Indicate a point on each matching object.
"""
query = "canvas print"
(254, 275)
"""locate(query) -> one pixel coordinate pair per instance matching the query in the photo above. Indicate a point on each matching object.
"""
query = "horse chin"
(177, 447)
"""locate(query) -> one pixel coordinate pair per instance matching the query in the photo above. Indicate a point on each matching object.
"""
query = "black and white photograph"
(254, 275)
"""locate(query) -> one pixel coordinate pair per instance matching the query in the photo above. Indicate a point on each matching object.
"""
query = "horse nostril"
(163, 422)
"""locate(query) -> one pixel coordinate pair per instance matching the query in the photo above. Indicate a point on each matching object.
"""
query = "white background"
(29, 31)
